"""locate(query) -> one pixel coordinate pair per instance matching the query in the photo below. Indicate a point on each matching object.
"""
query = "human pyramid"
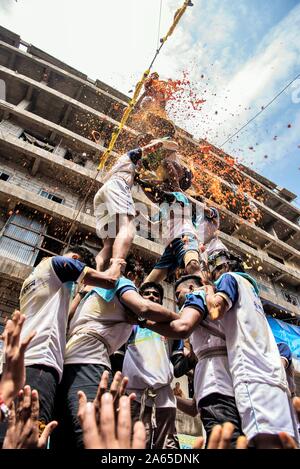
(83, 319)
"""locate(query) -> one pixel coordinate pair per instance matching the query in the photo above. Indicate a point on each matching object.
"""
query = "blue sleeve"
(196, 302)
(124, 285)
(285, 351)
(229, 286)
(124, 289)
(67, 269)
(135, 155)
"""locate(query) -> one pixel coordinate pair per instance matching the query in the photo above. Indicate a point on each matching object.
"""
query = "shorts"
(76, 377)
(173, 255)
(216, 409)
(114, 197)
(264, 409)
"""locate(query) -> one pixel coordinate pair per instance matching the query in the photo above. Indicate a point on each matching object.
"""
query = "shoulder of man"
(67, 269)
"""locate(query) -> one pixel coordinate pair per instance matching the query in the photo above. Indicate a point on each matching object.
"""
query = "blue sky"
(247, 51)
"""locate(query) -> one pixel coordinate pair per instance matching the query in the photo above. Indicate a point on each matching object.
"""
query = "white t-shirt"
(98, 327)
(45, 300)
(147, 364)
(253, 355)
(123, 168)
(212, 374)
(206, 227)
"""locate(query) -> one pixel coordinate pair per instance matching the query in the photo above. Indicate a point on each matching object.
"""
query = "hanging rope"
(159, 21)
(179, 13)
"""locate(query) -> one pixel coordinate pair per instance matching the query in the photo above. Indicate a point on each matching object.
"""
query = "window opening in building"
(21, 238)
(4, 176)
(278, 259)
(50, 196)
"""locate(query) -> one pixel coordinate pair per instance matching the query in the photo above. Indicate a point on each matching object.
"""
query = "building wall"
(20, 176)
(9, 298)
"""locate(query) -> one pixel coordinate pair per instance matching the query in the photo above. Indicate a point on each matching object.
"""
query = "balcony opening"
(27, 137)
(78, 158)
(278, 259)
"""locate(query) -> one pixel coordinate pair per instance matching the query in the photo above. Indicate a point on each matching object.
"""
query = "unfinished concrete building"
(48, 159)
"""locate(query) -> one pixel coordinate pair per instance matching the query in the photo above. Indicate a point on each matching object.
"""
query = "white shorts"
(112, 198)
(264, 409)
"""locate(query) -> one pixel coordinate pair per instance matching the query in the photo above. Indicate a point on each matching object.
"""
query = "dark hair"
(156, 286)
(186, 180)
(185, 278)
(237, 265)
(86, 256)
(233, 260)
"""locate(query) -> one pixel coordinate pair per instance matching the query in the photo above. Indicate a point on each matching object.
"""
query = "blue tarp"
(290, 335)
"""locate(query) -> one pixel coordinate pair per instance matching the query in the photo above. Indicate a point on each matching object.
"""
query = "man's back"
(252, 351)
(45, 299)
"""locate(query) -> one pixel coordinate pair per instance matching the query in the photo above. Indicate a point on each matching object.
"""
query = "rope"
(262, 110)
(159, 20)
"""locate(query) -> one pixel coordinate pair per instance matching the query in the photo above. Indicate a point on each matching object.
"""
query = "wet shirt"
(45, 300)
(98, 327)
(212, 374)
(253, 355)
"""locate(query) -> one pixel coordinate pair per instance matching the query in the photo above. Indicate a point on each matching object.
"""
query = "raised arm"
(145, 308)
(181, 327)
(222, 299)
(173, 174)
(98, 279)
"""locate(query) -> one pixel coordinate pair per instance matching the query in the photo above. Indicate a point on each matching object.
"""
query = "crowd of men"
(84, 320)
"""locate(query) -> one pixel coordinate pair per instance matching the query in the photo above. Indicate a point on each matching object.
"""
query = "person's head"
(177, 385)
(134, 270)
(154, 76)
(152, 291)
(81, 253)
(224, 261)
(184, 285)
(185, 181)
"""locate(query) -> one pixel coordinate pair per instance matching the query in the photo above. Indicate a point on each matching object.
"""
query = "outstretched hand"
(106, 422)
(220, 438)
(117, 390)
(23, 423)
(13, 376)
